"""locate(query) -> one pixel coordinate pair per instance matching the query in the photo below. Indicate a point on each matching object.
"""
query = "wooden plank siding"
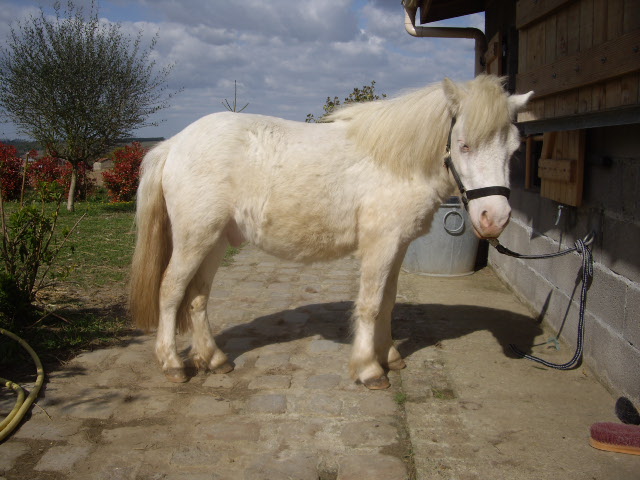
(579, 56)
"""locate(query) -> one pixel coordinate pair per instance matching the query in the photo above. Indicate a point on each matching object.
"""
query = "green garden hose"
(22, 405)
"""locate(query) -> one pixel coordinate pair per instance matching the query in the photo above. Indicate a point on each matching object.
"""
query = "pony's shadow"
(414, 327)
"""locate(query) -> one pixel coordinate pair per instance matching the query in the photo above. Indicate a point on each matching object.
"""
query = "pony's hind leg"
(206, 354)
(186, 260)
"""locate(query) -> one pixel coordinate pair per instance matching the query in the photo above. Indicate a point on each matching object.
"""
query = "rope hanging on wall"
(586, 270)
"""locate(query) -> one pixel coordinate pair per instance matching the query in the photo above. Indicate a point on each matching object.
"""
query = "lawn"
(101, 246)
(86, 307)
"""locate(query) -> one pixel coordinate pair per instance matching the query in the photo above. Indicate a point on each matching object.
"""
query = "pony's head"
(483, 139)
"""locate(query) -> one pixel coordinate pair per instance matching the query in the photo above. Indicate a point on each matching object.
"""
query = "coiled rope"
(22, 405)
(582, 247)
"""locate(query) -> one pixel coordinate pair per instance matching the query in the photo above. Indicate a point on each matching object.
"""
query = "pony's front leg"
(373, 348)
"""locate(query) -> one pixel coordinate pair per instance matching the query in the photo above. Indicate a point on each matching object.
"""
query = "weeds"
(400, 398)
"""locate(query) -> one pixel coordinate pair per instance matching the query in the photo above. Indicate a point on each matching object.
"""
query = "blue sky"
(286, 56)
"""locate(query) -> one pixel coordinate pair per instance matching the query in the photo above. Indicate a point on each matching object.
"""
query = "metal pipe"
(448, 32)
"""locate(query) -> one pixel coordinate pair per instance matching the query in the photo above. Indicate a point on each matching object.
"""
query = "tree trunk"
(72, 187)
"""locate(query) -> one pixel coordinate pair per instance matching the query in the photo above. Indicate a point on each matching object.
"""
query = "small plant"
(28, 250)
(400, 398)
(122, 181)
(443, 393)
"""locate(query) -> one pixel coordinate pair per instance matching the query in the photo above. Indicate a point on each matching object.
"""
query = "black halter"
(468, 195)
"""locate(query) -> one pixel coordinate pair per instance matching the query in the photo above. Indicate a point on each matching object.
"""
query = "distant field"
(24, 146)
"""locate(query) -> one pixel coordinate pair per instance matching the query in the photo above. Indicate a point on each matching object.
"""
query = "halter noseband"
(468, 195)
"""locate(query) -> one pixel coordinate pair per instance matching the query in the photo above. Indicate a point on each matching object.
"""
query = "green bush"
(28, 250)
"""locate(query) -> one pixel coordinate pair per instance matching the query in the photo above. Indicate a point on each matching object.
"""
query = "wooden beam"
(604, 62)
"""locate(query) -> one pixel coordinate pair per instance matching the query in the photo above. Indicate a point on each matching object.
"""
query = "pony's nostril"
(485, 219)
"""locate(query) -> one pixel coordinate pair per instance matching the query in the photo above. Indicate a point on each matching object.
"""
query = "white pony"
(368, 181)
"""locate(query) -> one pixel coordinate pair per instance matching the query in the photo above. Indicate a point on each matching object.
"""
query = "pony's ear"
(453, 93)
(518, 103)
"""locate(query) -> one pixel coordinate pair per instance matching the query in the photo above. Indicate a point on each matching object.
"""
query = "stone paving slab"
(463, 409)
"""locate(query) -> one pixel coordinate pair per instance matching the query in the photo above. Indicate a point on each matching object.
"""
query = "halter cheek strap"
(468, 195)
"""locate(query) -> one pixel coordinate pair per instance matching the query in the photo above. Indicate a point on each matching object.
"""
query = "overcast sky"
(287, 56)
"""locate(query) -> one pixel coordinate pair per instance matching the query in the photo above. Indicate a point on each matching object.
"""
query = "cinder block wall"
(612, 207)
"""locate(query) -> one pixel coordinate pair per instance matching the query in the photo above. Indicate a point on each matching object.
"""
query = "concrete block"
(615, 361)
(9, 454)
(620, 252)
(631, 324)
(377, 405)
(270, 382)
(61, 459)
(95, 403)
(606, 297)
(323, 346)
(302, 466)
(193, 456)
(323, 382)
(322, 405)
(267, 404)
(368, 434)
(206, 406)
(219, 381)
(232, 430)
(273, 360)
(46, 429)
(137, 437)
(372, 467)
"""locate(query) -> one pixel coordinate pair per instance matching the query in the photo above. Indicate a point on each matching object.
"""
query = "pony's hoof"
(397, 364)
(224, 368)
(379, 383)
(176, 375)
(198, 362)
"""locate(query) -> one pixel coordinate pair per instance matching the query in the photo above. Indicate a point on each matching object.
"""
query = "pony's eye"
(464, 148)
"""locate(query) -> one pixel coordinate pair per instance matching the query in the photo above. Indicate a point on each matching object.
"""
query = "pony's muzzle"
(490, 218)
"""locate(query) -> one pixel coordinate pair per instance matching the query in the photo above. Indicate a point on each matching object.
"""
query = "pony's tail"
(153, 241)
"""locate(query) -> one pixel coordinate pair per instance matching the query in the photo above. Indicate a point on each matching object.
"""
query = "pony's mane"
(485, 109)
(408, 134)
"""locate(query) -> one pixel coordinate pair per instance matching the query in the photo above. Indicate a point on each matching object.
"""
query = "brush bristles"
(615, 437)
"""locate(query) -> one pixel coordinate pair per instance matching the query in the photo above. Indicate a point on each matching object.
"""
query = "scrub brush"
(616, 437)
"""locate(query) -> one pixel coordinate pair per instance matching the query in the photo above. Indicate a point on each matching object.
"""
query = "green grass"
(84, 307)
(443, 393)
(88, 297)
(100, 248)
(400, 398)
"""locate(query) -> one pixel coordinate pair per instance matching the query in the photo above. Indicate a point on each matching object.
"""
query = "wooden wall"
(579, 56)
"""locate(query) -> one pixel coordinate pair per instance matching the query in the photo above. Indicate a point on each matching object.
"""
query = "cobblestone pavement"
(463, 409)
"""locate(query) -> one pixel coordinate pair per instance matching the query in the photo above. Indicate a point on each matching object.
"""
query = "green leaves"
(365, 94)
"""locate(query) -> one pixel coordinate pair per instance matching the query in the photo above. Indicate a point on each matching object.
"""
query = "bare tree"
(77, 85)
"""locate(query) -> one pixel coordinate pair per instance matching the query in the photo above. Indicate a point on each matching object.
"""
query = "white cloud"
(287, 57)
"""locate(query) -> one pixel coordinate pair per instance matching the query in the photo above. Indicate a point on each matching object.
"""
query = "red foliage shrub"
(54, 170)
(122, 180)
(46, 170)
(10, 172)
